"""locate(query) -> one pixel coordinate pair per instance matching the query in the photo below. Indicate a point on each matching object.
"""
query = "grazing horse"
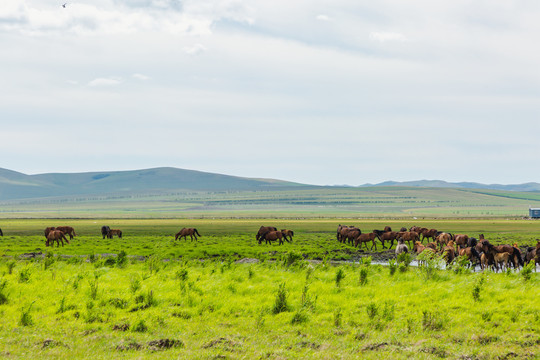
(409, 236)
(443, 239)
(350, 234)
(264, 229)
(461, 240)
(419, 248)
(428, 234)
(67, 230)
(105, 231)
(271, 236)
(388, 236)
(192, 232)
(449, 253)
(287, 234)
(401, 247)
(113, 232)
(55, 235)
(471, 254)
(364, 238)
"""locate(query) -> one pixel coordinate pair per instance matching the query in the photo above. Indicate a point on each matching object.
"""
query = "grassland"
(368, 202)
(286, 309)
(223, 238)
(201, 300)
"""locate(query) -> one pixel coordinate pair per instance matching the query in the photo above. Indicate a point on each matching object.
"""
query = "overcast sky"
(319, 92)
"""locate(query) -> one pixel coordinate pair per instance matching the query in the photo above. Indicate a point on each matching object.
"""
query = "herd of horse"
(450, 246)
(477, 251)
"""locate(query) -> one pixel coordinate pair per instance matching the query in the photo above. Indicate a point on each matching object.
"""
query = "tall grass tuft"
(527, 271)
(477, 288)
(340, 275)
(24, 275)
(363, 277)
(10, 266)
(280, 304)
(338, 317)
(26, 318)
(94, 285)
(121, 259)
(3, 296)
(429, 263)
(392, 266)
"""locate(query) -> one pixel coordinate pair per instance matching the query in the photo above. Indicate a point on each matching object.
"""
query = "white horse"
(401, 247)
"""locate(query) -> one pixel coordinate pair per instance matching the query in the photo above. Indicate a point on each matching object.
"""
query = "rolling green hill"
(170, 193)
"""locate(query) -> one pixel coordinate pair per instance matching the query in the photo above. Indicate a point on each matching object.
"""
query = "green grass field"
(200, 300)
(272, 310)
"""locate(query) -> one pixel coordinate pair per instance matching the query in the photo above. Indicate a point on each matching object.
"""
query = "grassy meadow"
(104, 308)
(227, 297)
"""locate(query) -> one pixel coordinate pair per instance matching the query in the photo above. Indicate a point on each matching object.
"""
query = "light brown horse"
(472, 255)
(67, 230)
(449, 253)
(287, 234)
(192, 232)
(55, 235)
(532, 255)
(270, 236)
(501, 260)
(113, 232)
(262, 230)
(461, 240)
(442, 239)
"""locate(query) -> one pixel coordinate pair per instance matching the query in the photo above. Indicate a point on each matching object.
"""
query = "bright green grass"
(314, 238)
(224, 310)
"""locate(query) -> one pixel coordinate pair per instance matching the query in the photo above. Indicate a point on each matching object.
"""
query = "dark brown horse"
(67, 230)
(387, 229)
(388, 236)
(490, 250)
(55, 235)
(105, 231)
(287, 234)
(264, 229)
(350, 234)
(532, 255)
(192, 232)
(270, 236)
(1, 233)
(113, 232)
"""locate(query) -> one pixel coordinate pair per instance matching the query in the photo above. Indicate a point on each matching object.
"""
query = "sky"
(320, 92)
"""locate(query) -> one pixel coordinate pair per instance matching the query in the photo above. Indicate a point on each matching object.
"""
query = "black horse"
(105, 231)
(1, 233)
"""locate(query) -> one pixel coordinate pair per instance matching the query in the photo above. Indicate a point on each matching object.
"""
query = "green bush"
(280, 304)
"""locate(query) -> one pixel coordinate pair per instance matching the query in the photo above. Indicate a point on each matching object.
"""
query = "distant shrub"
(363, 276)
(340, 275)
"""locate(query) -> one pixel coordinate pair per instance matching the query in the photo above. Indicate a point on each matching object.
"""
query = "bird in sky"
(64, 5)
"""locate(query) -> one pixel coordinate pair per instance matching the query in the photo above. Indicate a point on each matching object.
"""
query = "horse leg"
(374, 244)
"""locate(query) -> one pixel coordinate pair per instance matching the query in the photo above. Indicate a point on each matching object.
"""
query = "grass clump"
(281, 304)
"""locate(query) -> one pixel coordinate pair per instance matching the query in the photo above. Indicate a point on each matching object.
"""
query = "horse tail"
(1, 233)
(518, 255)
(475, 253)
(196, 232)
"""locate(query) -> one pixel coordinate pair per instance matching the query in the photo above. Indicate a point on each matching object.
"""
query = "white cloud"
(387, 36)
(105, 82)
(195, 49)
(141, 77)
(323, 18)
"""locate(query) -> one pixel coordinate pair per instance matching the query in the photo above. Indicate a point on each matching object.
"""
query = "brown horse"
(449, 253)
(428, 234)
(55, 235)
(192, 232)
(414, 228)
(501, 260)
(532, 255)
(67, 230)
(48, 230)
(113, 232)
(350, 234)
(272, 236)
(409, 236)
(364, 238)
(461, 240)
(432, 245)
(442, 239)
(388, 236)
(262, 230)
(419, 248)
(472, 255)
(287, 234)
(387, 229)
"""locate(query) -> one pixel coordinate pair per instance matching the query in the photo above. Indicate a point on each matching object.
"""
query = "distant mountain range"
(16, 185)
(531, 186)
